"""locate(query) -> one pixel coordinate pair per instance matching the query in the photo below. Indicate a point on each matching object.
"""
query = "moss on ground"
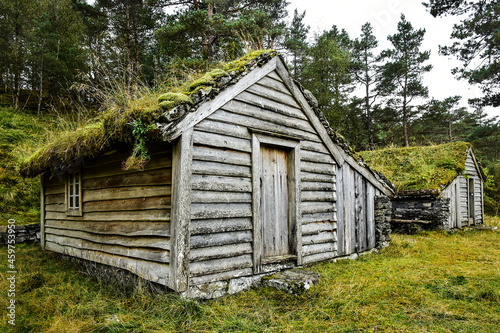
(417, 168)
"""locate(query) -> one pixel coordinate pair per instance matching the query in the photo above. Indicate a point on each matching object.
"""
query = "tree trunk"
(40, 90)
(450, 137)
(405, 113)
(371, 140)
(210, 38)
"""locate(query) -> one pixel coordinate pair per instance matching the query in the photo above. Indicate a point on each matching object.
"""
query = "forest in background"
(73, 59)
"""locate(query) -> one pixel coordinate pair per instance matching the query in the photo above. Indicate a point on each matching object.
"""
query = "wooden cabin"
(244, 179)
(437, 187)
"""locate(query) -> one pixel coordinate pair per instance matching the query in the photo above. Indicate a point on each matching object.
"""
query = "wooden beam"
(42, 213)
(181, 211)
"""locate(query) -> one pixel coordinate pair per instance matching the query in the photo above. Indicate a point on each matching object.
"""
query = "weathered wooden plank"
(221, 141)
(318, 196)
(160, 161)
(42, 211)
(159, 229)
(319, 257)
(220, 155)
(151, 215)
(317, 207)
(223, 126)
(58, 207)
(316, 228)
(317, 186)
(220, 169)
(318, 217)
(370, 215)
(220, 276)
(139, 204)
(323, 237)
(224, 238)
(217, 211)
(245, 108)
(221, 184)
(213, 226)
(54, 199)
(220, 265)
(269, 124)
(131, 192)
(340, 213)
(312, 156)
(349, 209)
(324, 248)
(137, 241)
(220, 197)
(57, 189)
(53, 181)
(271, 82)
(149, 177)
(328, 169)
(151, 271)
(256, 208)
(218, 252)
(270, 105)
(140, 253)
(314, 146)
(274, 76)
(316, 177)
(360, 190)
(274, 95)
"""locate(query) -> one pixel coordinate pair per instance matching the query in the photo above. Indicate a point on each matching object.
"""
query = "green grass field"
(430, 282)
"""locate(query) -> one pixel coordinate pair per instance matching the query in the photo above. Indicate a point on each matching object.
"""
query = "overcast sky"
(384, 16)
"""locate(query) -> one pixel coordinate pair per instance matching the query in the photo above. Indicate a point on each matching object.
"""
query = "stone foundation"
(412, 214)
(24, 233)
(383, 211)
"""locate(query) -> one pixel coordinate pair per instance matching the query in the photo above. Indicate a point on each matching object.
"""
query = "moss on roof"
(420, 168)
(116, 125)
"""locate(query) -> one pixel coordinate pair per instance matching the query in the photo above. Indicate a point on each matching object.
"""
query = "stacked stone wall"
(383, 211)
(415, 214)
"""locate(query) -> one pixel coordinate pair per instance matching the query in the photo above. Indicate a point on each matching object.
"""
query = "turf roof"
(429, 168)
(115, 125)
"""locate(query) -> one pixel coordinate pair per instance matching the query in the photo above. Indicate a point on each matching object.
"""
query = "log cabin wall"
(221, 202)
(125, 220)
(356, 211)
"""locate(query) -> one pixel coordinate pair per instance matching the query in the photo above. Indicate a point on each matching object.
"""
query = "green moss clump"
(419, 168)
(170, 100)
(209, 79)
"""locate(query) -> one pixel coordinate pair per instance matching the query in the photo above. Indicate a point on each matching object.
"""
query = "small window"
(74, 193)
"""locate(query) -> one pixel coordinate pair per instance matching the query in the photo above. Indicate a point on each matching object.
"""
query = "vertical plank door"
(274, 202)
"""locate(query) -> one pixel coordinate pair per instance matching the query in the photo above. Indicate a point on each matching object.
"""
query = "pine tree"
(402, 73)
(295, 43)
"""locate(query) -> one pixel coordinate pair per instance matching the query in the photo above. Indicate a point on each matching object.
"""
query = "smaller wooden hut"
(437, 187)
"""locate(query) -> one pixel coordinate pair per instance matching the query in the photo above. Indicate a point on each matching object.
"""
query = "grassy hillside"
(431, 282)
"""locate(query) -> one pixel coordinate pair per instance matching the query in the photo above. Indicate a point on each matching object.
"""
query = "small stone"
(293, 281)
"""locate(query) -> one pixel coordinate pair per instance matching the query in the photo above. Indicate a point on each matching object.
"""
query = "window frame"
(73, 193)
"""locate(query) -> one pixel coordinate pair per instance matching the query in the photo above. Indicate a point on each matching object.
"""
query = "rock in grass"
(293, 281)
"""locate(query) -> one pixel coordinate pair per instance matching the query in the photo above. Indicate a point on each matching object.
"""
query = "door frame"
(292, 146)
(471, 200)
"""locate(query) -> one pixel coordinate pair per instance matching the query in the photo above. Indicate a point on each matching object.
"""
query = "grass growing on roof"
(415, 168)
(113, 125)
(430, 282)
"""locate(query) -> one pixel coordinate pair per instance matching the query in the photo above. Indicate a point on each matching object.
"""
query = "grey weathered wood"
(263, 91)
(361, 213)
(220, 197)
(160, 229)
(273, 75)
(256, 208)
(317, 207)
(319, 257)
(152, 271)
(54, 199)
(313, 146)
(220, 155)
(202, 279)
(209, 226)
(320, 248)
(152, 215)
(275, 83)
(458, 204)
(220, 210)
(150, 177)
(224, 126)
(221, 184)
(149, 254)
(181, 211)
(341, 212)
(317, 196)
(322, 237)
(42, 212)
(270, 105)
(224, 238)
(317, 168)
(131, 192)
(219, 169)
(61, 207)
(149, 242)
(317, 186)
(220, 265)
(318, 217)
(139, 204)
(217, 252)
(111, 157)
(370, 215)
(316, 228)
(312, 156)
(58, 189)
(221, 141)
(316, 177)
(350, 219)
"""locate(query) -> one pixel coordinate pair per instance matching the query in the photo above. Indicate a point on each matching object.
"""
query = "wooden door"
(471, 200)
(274, 202)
